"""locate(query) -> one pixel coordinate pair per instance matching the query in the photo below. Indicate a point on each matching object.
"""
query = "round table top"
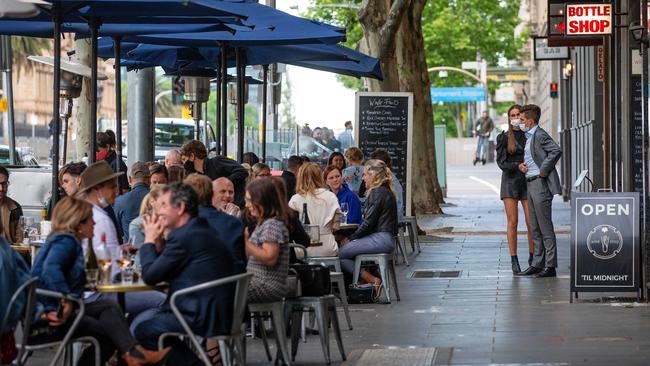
(22, 248)
(348, 226)
(130, 287)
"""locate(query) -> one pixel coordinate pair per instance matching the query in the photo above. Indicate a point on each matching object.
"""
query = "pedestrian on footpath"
(541, 154)
(484, 127)
(510, 153)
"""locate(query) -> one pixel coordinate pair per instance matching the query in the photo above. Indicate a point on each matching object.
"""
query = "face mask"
(523, 127)
(514, 122)
(103, 203)
(101, 155)
(189, 167)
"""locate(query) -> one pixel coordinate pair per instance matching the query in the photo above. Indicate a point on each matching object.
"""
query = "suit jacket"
(546, 154)
(194, 254)
(231, 232)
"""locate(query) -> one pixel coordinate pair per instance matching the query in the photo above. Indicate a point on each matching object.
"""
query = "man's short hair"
(4, 171)
(195, 147)
(250, 158)
(181, 192)
(294, 162)
(104, 140)
(531, 111)
(202, 185)
(156, 168)
(74, 169)
(139, 170)
(348, 123)
(383, 155)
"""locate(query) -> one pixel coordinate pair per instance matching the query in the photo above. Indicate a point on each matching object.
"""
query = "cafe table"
(122, 288)
(348, 226)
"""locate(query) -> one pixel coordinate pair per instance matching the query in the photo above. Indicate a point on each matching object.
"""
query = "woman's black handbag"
(314, 279)
(361, 294)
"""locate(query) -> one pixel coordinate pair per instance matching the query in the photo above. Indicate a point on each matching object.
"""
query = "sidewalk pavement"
(485, 315)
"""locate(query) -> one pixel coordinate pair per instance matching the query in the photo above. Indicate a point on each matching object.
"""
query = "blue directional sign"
(457, 94)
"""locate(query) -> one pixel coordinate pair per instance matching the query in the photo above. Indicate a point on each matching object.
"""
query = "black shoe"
(484, 161)
(530, 271)
(547, 272)
(530, 259)
(475, 161)
(515, 265)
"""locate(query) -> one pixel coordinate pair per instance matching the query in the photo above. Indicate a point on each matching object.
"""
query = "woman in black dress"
(510, 153)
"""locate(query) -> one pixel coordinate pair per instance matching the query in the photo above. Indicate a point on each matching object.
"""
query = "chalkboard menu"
(636, 111)
(385, 121)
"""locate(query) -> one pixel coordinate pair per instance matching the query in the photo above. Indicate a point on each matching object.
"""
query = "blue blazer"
(354, 205)
(59, 267)
(194, 254)
(127, 207)
(230, 230)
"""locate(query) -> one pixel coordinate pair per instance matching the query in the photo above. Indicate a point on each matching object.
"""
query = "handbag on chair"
(314, 279)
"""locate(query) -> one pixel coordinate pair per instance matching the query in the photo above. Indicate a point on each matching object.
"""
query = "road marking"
(485, 183)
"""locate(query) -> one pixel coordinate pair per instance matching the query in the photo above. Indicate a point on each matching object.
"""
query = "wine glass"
(124, 262)
(104, 262)
(344, 211)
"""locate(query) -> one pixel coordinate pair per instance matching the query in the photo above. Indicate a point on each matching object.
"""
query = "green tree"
(288, 111)
(27, 46)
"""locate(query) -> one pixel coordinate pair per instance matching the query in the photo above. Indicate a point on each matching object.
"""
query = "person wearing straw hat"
(99, 184)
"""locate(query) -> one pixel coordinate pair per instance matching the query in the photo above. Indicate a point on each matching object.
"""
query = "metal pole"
(94, 30)
(217, 117)
(117, 48)
(224, 99)
(265, 102)
(644, 108)
(65, 137)
(56, 18)
(241, 68)
(9, 94)
(196, 115)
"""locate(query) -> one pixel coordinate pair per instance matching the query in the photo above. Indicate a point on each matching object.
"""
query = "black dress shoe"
(530, 271)
(547, 272)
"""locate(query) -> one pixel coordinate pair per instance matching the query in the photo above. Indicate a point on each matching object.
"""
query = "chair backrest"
(241, 290)
(29, 289)
(295, 245)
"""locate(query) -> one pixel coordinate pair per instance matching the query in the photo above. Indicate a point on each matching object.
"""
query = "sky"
(318, 98)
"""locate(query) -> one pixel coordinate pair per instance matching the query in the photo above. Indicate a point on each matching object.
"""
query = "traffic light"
(178, 90)
(553, 90)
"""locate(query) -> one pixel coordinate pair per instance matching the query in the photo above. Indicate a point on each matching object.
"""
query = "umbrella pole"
(65, 139)
(94, 30)
(56, 18)
(217, 117)
(240, 103)
(265, 71)
(196, 115)
(117, 48)
(224, 99)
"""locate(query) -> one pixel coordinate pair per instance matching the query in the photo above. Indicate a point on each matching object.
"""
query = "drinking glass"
(344, 212)
(104, 262)
(91, 278)
(124, 262)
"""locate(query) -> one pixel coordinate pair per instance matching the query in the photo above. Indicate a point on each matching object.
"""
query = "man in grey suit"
(540, 156)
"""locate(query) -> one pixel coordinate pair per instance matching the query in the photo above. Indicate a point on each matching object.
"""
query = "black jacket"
(380, 213)
(221, 166)
(290, 181)
(111, 159)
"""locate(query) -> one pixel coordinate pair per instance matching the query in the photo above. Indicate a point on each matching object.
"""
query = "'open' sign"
(588, 19)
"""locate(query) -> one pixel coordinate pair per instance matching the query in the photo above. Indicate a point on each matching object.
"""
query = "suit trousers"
(540, 199)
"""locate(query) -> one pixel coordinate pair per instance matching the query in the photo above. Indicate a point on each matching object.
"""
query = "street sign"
(588, 19)
(457, 94)
(542, 51)
(600, 70)
(605, 242)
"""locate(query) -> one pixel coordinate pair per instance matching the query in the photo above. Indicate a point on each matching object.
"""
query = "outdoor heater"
(197, 91)
(72, 74)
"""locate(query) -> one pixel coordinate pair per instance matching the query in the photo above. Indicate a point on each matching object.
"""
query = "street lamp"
(567, 71)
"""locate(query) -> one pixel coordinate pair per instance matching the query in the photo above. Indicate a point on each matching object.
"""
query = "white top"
(323, 210)
(103, 225)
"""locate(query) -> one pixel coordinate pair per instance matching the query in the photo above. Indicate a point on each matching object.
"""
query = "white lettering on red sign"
(588, 19)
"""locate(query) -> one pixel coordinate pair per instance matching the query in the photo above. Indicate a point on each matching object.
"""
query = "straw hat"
(97, 173)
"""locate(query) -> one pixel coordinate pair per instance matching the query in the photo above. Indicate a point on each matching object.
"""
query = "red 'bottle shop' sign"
(588, 19)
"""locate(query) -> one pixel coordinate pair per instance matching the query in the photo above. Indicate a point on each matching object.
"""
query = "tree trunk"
(81, 117)
(414, 77)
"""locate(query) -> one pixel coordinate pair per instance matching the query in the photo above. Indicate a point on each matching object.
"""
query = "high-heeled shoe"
(515, 265)
(139, 356)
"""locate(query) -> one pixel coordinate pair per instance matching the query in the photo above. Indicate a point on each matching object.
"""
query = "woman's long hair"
(380, 175)
(265, 197)
(69, 213)
(309, 179)
(512, 142)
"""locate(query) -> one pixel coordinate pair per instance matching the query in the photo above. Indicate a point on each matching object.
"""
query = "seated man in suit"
(192, 254)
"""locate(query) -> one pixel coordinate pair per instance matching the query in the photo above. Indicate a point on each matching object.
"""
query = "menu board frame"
(361, 136)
